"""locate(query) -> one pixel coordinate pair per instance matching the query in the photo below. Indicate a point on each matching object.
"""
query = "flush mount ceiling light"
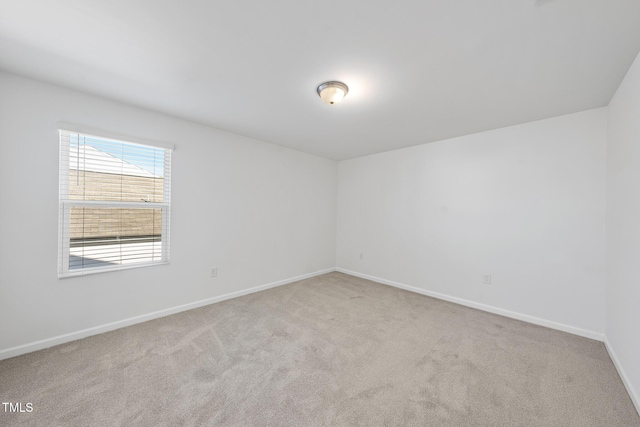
(332, 92)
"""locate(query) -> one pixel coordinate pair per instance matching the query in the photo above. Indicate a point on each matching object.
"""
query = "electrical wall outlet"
(214, 271)
(486, 279)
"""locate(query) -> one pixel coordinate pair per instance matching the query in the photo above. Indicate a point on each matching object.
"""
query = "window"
(115, 204)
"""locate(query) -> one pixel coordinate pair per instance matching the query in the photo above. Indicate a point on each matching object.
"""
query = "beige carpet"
(334, 350)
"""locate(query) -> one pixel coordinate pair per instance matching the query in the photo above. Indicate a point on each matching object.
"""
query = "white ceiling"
(418, 70)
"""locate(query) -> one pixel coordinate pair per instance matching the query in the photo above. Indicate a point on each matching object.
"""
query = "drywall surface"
(524, 204)
(623, 229)
(259, 212)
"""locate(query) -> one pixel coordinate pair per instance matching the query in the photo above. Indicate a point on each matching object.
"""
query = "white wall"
(259, 212)
(524, 203)
(623, 230)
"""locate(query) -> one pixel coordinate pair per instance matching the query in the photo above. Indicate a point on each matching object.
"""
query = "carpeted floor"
(333, 350)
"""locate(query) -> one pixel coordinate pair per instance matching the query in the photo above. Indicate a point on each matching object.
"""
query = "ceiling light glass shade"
(332, 92)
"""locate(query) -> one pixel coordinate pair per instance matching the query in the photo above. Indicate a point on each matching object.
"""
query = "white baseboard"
(484, 307)
(61, 339)
(635, 397)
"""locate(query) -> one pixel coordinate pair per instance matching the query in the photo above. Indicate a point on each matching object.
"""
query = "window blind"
(115, 204)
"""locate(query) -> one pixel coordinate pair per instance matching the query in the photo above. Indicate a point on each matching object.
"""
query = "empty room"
(356, 213)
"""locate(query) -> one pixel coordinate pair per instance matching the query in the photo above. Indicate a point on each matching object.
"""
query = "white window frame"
(65, 204)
